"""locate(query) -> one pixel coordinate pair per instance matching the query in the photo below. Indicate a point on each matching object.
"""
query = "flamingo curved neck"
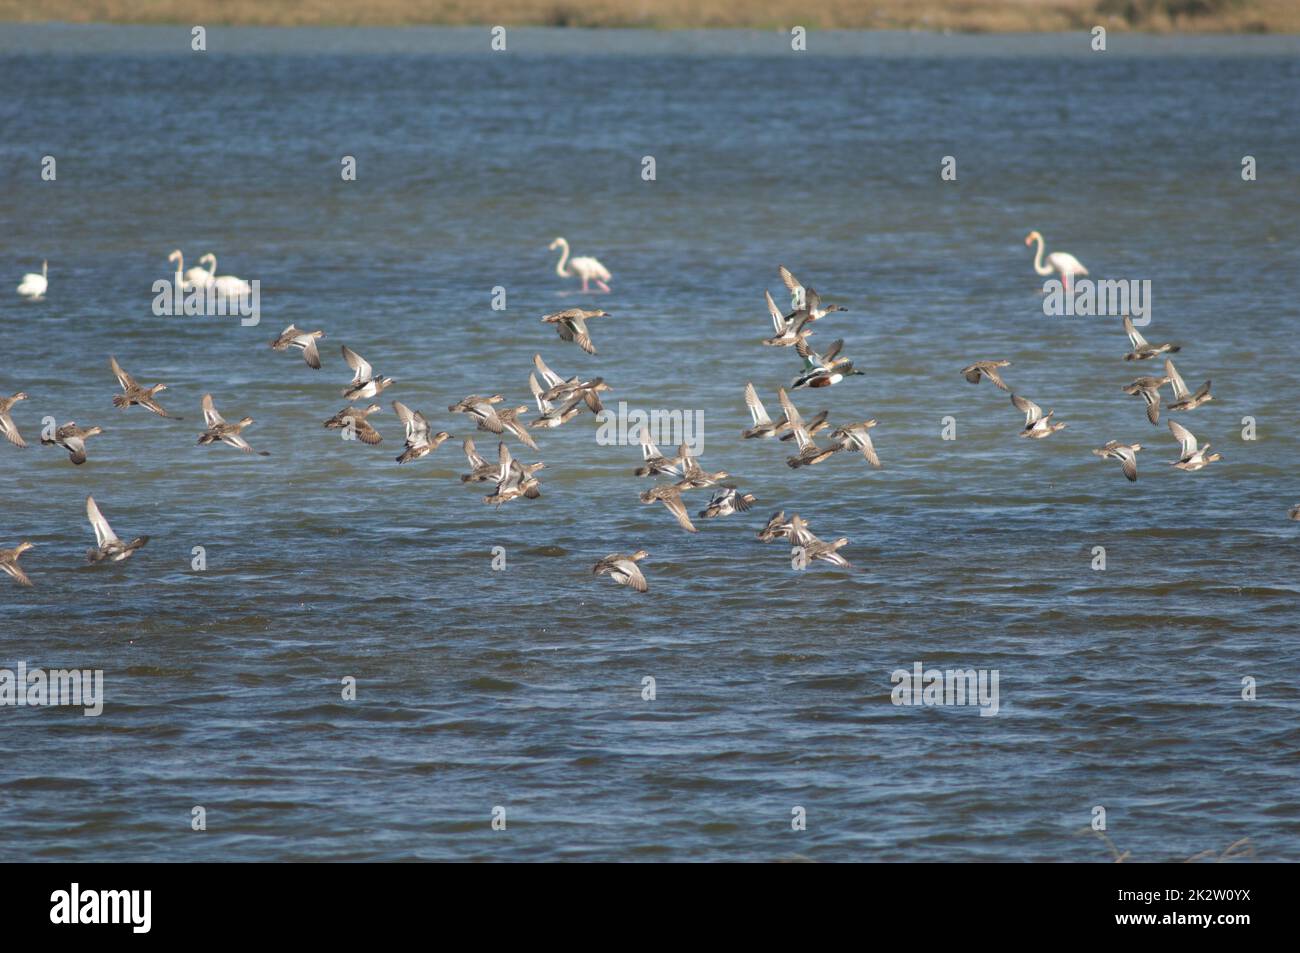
(564, 257)
(1039, 267)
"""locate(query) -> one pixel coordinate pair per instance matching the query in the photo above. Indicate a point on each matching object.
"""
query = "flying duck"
(571, 325)
(1125, 453)
(623, 569)
(73, 439)
(7, 425)
(303, 340)
(133, 393)
(1037, 426)
(1141, 349)
(109, 546)
(355, 418)
(419, 442)
(229, 434)
(364, 382)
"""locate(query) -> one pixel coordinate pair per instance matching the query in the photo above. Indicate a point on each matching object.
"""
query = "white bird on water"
(33, 285)
(586, 268)
(227, 285)
(1061, 262)
(196, 277)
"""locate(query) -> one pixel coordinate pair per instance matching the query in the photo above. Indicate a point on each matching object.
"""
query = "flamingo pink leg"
(584, 284)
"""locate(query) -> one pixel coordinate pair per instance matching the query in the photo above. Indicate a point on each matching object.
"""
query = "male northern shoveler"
(823, 370)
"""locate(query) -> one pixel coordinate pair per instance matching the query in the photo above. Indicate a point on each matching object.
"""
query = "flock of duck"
(560, 399)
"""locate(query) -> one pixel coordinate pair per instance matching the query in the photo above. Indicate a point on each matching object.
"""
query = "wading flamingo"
(33, 286)
(588, 269)
(226, 285)
(195, 277)
(1061, 262)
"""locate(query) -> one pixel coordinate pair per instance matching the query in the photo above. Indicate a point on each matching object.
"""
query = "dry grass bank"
(1202, 16)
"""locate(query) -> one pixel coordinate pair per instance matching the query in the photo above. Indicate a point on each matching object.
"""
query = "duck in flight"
(1183, 398)
(726, 501)
(671, 497)
(419, 441)
(623, 569)
(1125, 453)
(1148, 388)
(353, 420)
(133, 393)
(1142, 351)
(823, 370)
(514, 479)
(807, 303)
(365, 383)
(789, 331)
(809, 451)
(655, 463)
(305, 341)
(571, 325)
(1192, 457)
(988, 369)
(857, 437)
(227, 433)
(805, 544)
(1037, 425)
(72, 439)
(9, 563)
(108, 546)
(778, 527)
(7, 426)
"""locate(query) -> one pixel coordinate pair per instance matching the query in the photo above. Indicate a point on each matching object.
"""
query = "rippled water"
(522, 688)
